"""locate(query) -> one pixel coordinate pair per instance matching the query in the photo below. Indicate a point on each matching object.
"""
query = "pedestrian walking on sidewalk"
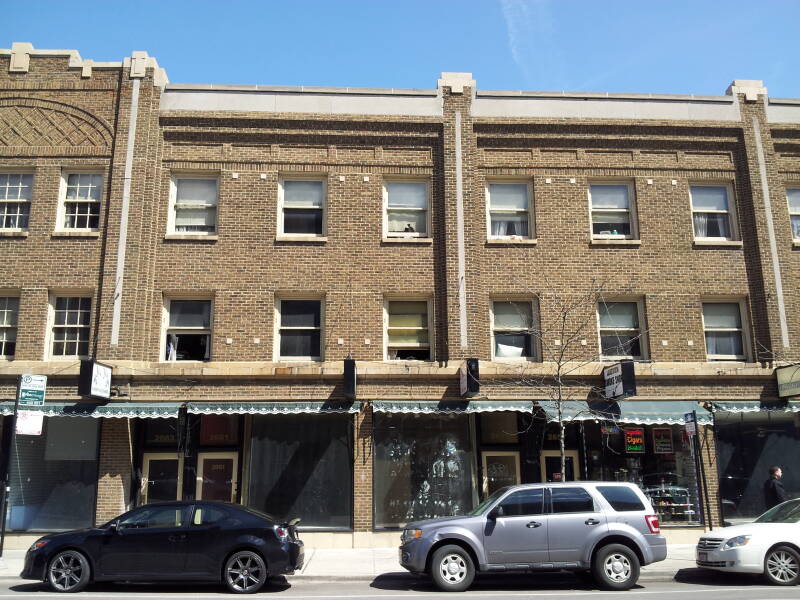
(774, 492)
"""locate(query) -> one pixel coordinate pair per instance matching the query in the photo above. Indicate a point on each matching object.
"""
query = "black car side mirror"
(113, 527)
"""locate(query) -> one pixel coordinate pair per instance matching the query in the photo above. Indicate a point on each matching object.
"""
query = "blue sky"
(658, 46)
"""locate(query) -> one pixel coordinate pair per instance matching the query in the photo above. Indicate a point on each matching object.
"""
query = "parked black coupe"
(171, 541)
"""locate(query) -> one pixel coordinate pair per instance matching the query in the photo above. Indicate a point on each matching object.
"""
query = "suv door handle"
(592, 522)
(533, 525)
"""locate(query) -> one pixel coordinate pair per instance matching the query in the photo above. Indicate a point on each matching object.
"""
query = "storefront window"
(54, 476)
(301, 466)
(748, 444)
(219, 430)
(161, 432)
(423, 468)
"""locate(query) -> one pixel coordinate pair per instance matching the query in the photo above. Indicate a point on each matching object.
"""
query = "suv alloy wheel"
(452, 569)
(615, 567)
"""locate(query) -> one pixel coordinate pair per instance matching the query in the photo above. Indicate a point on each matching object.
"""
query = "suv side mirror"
(497, 511)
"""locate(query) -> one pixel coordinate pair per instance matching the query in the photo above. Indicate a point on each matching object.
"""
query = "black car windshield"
(481, 508)
(788, 512)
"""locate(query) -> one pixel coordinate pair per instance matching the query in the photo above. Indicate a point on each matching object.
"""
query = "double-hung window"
(300, 329)
(15, 200)
(724, 333)
(612, 211)
(194, 202)
(188, 332)
(407, 333)
(407, 209)
(71, 324)
(620, 330)
(509, 210)
(793, 196)
(712, 212)
(80, 201)
(302, 206)
(9, 316)
(512, 326)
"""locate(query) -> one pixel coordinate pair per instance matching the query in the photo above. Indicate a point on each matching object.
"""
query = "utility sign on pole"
(32, 389)
(690, 423)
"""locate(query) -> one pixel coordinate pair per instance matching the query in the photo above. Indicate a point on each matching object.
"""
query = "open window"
(188, 333)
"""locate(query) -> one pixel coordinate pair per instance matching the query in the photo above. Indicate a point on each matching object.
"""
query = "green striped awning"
(748, 406)
(445, 407)
(571, 410)
(272, 408)
(668, 412)
(112, 410)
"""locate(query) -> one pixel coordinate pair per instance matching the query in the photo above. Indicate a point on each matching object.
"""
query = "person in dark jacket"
(774, 493)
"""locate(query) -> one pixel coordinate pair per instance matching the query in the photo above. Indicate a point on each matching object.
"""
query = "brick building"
(226, 248)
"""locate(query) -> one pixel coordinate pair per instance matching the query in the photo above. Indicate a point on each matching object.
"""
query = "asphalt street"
(688, 583)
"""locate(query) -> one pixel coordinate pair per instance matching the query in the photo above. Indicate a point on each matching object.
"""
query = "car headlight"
(411, 534)
(739, 540)
(38, 544)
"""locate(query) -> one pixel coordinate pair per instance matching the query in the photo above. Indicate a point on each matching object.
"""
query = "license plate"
(702, 556)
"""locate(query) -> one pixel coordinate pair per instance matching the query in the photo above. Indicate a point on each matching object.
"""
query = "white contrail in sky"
(531, 42)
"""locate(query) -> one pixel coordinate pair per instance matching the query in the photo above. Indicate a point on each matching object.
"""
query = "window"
(612, 212)
(509, 210)
(712, 212)
(571, 500)
(15, 200)
(156, 517)
(524, 502)
(188, 335)
(302, 207)
(300, 331)
(194, 205)
(407, 330)
(793, 195)
(80, 203)
(71, 321)
(512, 325)
(620, 329)
(621, 498)
(722, 324)
(406, 205)
(208, 515)
(9, 315)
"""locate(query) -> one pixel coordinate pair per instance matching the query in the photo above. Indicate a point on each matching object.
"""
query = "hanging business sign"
(662, 440)
(29, 422)
(94, 381)
(788, 381)
(469, 378)
(32, 389)
(690, 423)
(620, 380)
(634, 441)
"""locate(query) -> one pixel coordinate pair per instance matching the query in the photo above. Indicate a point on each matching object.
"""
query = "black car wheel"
(245, 572)
(452, 569)
(69, 571)
(782, 566)
(615, 567)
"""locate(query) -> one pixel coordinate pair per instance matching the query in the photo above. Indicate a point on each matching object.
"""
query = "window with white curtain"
(793, 196)
(71, 324)
(80, 201)
(712, 212)
(194, 202)
(302, 206)
(407, 334)
(15, 200)
(406, 208)
(512, 329)
(612, 210)
(724, 331)
(9, 317)
(188, 332)
(509, 210)
(620, 329)
(300, 329)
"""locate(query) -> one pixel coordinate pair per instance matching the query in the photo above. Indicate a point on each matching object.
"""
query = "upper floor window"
(80, 201)
(512, 327)
(302, 207)
(724, 333)
(793, 195)
(15, 200)
(407, 209)
(71, 324)
(712, 212)
(620, 329)
(9, 316)
(407, 332)
(300, 329)
(193, 203)
(188, 332)
(612, 211)
(509, 210)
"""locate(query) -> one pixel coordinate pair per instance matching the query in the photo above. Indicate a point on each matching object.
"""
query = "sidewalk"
(365, 564)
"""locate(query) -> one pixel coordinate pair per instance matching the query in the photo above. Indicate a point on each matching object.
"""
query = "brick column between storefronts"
(362, 471)
(115, 469)
(708, 454)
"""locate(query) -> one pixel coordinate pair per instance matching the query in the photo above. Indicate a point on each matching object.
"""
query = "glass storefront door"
(551, 465)
(162, 477)
(217, 476)
(500, 469)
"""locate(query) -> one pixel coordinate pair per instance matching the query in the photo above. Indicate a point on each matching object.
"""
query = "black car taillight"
(282, 531)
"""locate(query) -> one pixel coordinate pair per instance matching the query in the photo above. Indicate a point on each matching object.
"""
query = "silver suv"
(607, 529)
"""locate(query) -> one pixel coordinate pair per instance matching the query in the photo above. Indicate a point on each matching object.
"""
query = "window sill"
(308, 239)
(612, 242)
(76, 234)
(512, 241)
(13, 233)
(720, 243)
(191, 237)
(408, 240)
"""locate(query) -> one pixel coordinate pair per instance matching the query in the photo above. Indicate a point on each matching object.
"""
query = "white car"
(770, 546)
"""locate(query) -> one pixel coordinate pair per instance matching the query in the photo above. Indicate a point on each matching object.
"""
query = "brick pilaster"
(114, 470)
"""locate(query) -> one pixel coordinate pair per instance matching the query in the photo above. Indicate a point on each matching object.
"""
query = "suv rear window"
(621, 498)
(571, 500)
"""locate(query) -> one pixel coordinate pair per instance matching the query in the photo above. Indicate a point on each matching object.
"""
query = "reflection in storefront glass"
(422, 467)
